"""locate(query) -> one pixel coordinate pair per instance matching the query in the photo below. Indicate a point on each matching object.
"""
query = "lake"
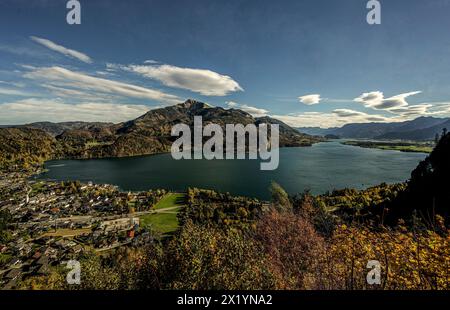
(320, 168)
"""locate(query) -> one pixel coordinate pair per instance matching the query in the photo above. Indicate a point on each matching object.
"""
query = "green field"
(424, 147)
(165, 220)
(407, 148)
(170, 200)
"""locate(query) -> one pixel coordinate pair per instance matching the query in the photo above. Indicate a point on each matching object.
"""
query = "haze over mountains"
(422, 128)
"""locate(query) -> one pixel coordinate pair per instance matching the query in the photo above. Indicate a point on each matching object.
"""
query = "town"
(56, 221)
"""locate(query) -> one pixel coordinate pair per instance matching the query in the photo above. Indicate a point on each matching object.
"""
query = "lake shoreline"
(321, 168)
(407, 147)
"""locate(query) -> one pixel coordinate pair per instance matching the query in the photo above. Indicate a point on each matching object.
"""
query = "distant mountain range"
(147, 134)
(422, 128)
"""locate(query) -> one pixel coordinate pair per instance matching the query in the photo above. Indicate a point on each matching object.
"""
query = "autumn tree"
(292, 246)
(203, 257)
(280, 199)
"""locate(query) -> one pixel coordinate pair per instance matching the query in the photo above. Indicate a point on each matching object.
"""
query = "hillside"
(23, 147)
(147, 134)
(150, 133)
(428, 133)
(427, 190)
(316, 131)
(288, 135)
(55, 129)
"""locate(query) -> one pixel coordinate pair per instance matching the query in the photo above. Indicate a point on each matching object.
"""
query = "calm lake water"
(320, 168)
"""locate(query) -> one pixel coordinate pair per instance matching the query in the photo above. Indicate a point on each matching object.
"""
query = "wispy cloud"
(376, 100)
(440, 108)
(61, 49)
(23, 51)
(398, 105)
(335, 118)
(15, 84)
(80, 95)
(310, 99)
(35, 110)
(61, 77)
(254, 111)
(412, 110)
(15, 92)
(151, 62)
(204, 82)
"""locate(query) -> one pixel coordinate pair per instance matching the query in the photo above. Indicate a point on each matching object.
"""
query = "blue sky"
(308, 63)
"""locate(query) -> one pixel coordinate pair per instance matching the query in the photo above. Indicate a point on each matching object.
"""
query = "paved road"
(79, 218)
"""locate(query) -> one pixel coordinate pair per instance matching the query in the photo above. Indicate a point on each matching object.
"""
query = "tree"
(203, 257)
(280, 198)
(5, 219)
(292, 247)
(427, 190)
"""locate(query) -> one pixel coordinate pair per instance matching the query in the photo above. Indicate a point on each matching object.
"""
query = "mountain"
(288, 135)
(55, 129)
(151, 133)
(428, 133)
(422, 128)
(24, 147)
(420, 123)
(316, 131)
(147, 134)
(364, 130)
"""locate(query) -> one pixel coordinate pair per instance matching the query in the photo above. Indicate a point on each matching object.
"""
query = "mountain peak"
(192, 104)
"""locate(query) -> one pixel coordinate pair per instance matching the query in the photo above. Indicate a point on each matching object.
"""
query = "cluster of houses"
(36, 258)
(54, 222)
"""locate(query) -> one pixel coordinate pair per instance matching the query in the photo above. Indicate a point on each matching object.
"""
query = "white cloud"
(359, 117)
(61, 49)
(78, 94)
(310, 119)
(256, 112)
(232, 104)
(376, 100)
(23, 51)
(15, 84)
(401, 108)
(205, 82)
(61, 77)
(440, 109)
(14, 92)
(340, 117)
(55, 110)
(335, 118)
(310, 99)
(412, 110)
(151, 62)
(112, 67)
(103, 73)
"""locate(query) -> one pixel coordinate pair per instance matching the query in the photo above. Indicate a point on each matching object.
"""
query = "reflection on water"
(320, 168)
